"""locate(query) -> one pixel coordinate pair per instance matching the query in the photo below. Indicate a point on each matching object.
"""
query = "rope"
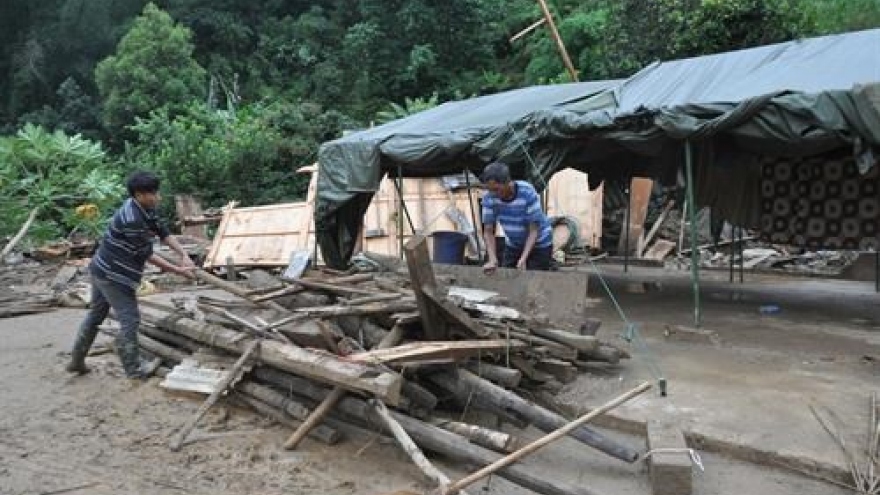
(632, 334)
(695, 457)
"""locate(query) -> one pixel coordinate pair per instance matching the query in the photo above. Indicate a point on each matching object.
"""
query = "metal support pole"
(399, 185)
(695, 254)
(732, 250)
(626, 227)
(399, 215)
(877, 271)
(742, 258)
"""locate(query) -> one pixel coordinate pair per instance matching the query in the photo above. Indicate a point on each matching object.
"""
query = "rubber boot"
(77, 363)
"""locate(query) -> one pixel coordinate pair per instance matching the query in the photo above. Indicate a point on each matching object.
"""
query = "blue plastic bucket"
(449, 247)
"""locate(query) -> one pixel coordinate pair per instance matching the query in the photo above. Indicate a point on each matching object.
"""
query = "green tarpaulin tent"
(801, 97)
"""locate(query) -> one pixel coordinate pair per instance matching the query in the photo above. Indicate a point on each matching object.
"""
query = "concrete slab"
(747, 395)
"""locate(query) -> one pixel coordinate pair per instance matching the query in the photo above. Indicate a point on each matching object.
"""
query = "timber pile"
(329, 350)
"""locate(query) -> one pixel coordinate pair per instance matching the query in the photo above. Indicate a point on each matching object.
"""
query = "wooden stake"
(558, 39)
(21, 232)
(528, 30)
(231, 376)
(410, 447)
(537, 444)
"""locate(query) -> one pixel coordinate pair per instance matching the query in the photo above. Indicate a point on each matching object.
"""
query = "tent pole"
(397, 185)
(566, 60)
(742, 258)
(877, 271)
(732, 250)
(695, 253)
(626, 228)
(467, 182)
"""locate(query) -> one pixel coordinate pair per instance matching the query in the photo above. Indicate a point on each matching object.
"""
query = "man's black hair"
(496, 171)
(142, 181)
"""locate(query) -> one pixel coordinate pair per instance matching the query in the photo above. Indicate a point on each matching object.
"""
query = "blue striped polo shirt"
(516, 215)
(128, 244)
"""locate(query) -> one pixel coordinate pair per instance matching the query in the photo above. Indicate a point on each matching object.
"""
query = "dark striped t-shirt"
(516, 215)
(128, 244)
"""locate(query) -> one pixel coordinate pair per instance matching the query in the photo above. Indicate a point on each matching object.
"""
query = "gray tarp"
(795, 98)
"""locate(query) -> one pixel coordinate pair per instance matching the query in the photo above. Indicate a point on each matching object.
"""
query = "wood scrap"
(434, 351)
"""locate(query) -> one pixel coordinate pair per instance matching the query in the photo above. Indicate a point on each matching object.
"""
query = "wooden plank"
(640, 195)
(261, 235)
(422, 275)
(659, 250)
(415, 352)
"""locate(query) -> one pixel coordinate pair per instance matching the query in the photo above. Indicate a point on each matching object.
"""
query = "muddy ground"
(100, 434)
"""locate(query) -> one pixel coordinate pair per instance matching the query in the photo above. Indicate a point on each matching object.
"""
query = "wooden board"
(266, 235)
(568, 194)
(432, 351)
(259, 236)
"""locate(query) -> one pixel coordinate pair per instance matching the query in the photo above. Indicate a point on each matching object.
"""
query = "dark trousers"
(107, 294)
(539, 258)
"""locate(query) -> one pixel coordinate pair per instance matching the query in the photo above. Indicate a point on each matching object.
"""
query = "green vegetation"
(227, 98)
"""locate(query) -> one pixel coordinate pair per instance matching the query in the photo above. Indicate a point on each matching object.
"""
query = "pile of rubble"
(328, 350)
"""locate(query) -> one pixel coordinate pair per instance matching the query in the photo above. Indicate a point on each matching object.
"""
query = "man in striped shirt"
(116, 271)
(517, 207)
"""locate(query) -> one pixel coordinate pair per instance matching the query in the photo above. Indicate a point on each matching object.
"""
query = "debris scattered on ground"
(331, 347)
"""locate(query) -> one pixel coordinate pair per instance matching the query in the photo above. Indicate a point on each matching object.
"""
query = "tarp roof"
(800, 97)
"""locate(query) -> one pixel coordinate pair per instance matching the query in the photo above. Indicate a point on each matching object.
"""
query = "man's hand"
(490, 267)
(187, 271)
(187, 262)
(522, 263)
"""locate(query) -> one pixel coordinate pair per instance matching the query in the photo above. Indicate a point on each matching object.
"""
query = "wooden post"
(558, 39)
(410, 447)
(422, 275)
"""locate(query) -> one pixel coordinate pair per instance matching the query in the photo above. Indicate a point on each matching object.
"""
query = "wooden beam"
(320, 366)
(416, 352)
(422, 275)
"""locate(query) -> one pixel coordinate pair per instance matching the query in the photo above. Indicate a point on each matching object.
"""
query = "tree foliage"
(55, 173)
(152, 68)
(250, 156)
(227, 97)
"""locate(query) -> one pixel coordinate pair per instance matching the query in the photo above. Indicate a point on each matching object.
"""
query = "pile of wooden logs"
(329, 348)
